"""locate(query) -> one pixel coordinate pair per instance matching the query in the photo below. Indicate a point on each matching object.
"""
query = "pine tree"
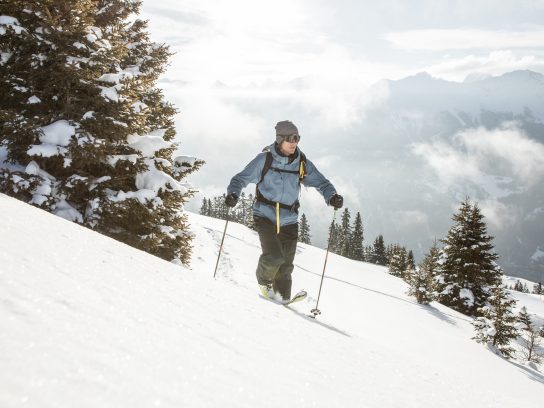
(378, 252)
(530, 338)
(210, 208)
(248, 216)
(333, 242)
(369, 253)
(204, 210)
(518, 286)
(223, 210)
(88, 134)
(538, 289)
(304, 230)
(421, 279)
(496, 325)
(220, 209)
(389, 250)
(344, 234)
(398, 262)
(410, 260)
(468, 268)
(357, 238)
(242, 209)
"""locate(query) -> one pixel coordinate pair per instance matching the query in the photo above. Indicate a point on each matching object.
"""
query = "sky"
(241, 66)
(245, 43)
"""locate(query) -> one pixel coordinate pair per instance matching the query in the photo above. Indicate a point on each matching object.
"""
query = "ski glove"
(231, 200)
(337, 201)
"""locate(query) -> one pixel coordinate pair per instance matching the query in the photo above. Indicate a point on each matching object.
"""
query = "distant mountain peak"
(524, 74)
(476, 76)
(420, 76)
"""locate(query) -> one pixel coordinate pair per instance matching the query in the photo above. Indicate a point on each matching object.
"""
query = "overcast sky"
(240, 65)
(243, 42)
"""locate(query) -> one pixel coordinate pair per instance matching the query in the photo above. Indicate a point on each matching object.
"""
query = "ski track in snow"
(86, 321)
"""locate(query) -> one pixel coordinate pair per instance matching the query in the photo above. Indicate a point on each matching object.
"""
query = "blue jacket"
(278, 186)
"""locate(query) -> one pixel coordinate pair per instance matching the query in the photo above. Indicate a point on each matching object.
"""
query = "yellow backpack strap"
(277, 218)
(302, 169)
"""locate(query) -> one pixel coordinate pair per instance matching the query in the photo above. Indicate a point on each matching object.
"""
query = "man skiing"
(278, 172)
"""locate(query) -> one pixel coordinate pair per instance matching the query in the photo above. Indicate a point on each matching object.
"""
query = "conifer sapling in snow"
(530, 337)
(421, 279)
(496, 325)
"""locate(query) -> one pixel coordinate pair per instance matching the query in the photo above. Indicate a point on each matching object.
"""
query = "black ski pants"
(278, 253)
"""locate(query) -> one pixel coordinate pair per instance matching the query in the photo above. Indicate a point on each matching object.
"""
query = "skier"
(278, 172)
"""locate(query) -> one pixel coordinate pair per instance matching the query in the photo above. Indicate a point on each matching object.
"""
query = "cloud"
(449, 163)
(265, 52)
(410, 217)
(493, 64)
(501, 216)
(509, 144)
(475, 154)
(464, 39)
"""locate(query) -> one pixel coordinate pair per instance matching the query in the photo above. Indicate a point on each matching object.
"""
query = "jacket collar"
(276, 153)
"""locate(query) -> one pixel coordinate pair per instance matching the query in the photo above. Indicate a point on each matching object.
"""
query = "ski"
(301, 295)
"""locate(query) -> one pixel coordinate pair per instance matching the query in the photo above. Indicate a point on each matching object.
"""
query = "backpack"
(302, 173)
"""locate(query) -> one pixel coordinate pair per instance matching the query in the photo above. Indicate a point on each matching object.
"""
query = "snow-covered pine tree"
(241, 209)
(304, 230)
(496, 325)
(344, 234)
(389, 251)
(398, 262)
(213, 207)
(530, 337)
(220, 209)
(247, 213)
(421, 279)
(468, 269)
(518, 286)
(357, 238)
(538, 289)
(87, 134)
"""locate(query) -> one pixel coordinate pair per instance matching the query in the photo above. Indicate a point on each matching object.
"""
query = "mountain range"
(426, 144)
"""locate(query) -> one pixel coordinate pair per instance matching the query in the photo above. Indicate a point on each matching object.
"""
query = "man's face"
(288, 148)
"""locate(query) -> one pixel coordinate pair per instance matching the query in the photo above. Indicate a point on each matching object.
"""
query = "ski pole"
(222, 240)
(316, 311)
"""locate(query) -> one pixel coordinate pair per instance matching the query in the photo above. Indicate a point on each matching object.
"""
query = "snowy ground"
(88, 322)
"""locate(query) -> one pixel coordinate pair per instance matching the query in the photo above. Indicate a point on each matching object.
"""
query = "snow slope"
(89, 322)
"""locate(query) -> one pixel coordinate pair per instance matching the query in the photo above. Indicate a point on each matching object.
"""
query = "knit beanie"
(285, 128)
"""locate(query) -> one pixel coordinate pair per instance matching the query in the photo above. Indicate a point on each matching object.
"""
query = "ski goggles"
(291, 138)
